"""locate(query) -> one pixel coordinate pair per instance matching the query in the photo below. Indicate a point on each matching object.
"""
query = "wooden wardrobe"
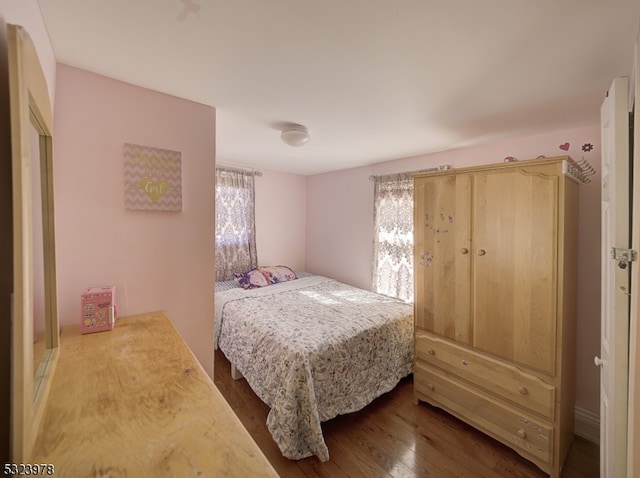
(495, 258)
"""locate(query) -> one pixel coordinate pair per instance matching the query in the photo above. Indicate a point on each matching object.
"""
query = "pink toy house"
(97, 309)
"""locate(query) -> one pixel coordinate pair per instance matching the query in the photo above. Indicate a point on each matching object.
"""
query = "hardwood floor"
(393, 437)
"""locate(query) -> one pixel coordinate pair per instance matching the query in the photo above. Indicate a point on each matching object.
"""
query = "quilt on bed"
(312, 349)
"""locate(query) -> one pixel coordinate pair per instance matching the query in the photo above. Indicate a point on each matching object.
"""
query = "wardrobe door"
(515, 254)
(442, 255)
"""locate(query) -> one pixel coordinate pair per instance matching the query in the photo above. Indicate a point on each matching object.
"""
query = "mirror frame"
(30, 107)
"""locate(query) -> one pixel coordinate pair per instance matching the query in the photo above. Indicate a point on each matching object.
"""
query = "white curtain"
(235, 223)
(393, 236)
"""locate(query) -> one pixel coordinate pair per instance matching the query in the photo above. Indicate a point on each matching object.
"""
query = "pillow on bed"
(275, 274)
(264, 276)
(252, 279)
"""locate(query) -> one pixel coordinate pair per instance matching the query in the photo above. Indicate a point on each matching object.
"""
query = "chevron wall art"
(152, 178)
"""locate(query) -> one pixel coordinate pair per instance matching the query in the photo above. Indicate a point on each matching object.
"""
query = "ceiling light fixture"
(294, 135)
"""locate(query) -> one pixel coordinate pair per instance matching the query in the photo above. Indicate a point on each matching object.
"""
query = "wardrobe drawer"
(504, 379)
(531, 438)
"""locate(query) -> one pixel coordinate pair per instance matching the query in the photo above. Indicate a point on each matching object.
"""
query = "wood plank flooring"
(393, 437)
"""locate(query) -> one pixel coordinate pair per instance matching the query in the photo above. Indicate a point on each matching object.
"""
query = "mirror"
(42, 333)
(35, 328)
(39, 318)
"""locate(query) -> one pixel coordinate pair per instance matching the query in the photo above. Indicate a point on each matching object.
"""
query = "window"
(235, 223)
(393, 236)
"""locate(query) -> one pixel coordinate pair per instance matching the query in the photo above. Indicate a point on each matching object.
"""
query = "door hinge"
(623, 256)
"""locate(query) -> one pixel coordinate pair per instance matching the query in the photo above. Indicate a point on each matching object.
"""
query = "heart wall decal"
(564, 147)
(154, 189)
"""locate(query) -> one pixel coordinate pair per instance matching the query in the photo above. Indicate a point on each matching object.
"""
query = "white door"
(614, 349)
(633, 448)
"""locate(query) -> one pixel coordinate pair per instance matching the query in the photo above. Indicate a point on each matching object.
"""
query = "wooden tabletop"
(135, 402)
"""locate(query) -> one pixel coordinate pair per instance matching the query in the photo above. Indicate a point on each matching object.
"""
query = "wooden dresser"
(495, 301)
(135, 402)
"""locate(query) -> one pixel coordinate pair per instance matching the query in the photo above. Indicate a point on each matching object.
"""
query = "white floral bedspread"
(312, 349)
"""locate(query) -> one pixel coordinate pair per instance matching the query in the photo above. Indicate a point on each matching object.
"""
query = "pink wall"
(340, 226)
(280, 219)
(340, 223)
(156, 260)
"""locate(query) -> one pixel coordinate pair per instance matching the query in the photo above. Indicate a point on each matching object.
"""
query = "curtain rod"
(255, 172)
(426, 170)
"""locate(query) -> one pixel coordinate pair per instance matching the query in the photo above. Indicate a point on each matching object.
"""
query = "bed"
(313, 348)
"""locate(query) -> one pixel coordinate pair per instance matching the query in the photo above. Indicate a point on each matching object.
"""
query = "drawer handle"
(465, 363)
(481, 252)
(430, 386)
(431, 352)
(464, 250)
(523, 391)
(522, 433)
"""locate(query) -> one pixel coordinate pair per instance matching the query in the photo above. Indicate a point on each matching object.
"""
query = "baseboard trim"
(587, 425)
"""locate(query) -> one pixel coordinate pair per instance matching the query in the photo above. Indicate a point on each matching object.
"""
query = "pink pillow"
(252, 279)
(264, 276)
(275, 274)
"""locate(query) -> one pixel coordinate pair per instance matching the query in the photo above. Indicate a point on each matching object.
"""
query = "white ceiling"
(373, 80)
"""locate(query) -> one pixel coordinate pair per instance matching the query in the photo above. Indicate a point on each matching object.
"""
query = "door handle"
(598, 361)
